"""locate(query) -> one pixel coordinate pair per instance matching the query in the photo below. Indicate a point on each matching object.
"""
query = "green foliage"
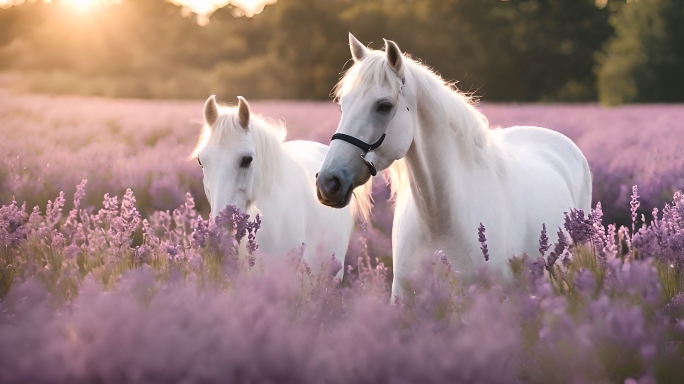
(514, 50)
(643, 62)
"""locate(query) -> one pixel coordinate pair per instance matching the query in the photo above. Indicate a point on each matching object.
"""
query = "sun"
(87, 5)
(83, 5)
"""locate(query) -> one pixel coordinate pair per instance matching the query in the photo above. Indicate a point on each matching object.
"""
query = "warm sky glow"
(79, 4)
(82, 5)
(203, 8)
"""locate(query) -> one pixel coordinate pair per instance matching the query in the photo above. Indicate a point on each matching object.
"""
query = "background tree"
(644, 60)
(516, 50)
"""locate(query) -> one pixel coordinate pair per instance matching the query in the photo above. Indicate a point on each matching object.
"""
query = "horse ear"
(394, 57)
(243, 112)
(358, 50)
(211, 111)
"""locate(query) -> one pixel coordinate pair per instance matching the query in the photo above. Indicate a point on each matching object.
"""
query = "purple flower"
(483, 241)
(200, 232)
(124, 223)
(143, 254)
(558, 250)
(537, 268)
(12, 224)
(664, 238)
(225, 231)
(53, 211)
(634, 205)
(443, 259)
(335, 266)
(252, 229)
(543, 241)
(579, 228)
(675, 307)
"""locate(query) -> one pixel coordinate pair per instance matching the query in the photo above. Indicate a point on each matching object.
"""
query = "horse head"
(377, 124)
(227, 155)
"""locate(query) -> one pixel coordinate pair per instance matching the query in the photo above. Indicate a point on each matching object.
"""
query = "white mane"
(467, 127)
(362, 203)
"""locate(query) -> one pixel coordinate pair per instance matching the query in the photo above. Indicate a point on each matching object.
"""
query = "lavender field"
(122, 278)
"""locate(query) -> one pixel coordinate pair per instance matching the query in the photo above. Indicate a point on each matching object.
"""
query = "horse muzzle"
(333, 190)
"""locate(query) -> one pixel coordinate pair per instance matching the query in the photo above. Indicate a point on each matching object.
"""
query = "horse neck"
(443, 160)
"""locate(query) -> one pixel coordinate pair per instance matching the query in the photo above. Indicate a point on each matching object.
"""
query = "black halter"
(365, 147)
(354, 141)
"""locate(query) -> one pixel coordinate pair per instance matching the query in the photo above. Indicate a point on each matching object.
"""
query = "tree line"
(614, 51)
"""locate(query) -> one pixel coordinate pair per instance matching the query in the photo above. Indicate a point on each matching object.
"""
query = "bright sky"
(203, 8)
(207, 7)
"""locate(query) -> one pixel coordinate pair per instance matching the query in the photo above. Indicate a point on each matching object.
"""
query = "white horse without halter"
(247, 164)
(449, 171)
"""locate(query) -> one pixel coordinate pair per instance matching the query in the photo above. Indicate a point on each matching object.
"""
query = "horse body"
(449, 171)
(535, 187)
(247, 164)
(291, 214)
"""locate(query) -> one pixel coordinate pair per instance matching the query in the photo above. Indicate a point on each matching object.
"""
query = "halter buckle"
(369, 162)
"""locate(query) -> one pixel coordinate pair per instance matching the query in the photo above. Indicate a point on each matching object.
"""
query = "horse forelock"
(371, 71)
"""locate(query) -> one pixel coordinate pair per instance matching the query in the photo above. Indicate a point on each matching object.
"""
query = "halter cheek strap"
(354, 141)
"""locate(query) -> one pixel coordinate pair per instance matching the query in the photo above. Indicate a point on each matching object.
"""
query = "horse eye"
(246, 161)
(200, 163)
(385, 107)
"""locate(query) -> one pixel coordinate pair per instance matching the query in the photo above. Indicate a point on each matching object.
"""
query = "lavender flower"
(624, 241)
(634, 205)
(598, 237)
(200, 232)
(543, 241)
(12, 225)
(252, 229)
(675, 307)
(558, 250)
(443, 259)
(579, 228)
(143, 254)
(84, 287)
(53, 211)
(125, 223)
(334, 267)
(664, 239)
(537, 268)
(483, 241)
(611, 244)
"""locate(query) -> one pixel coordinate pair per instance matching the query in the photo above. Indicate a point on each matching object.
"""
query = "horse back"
(552, 153)
(327, 229)
(308, 154)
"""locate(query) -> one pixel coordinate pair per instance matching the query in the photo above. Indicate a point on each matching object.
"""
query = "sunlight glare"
(75, 4)
(204, 8)
(81, 4)
(84, 5)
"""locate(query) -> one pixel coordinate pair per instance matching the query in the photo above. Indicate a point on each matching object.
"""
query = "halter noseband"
(365, 147)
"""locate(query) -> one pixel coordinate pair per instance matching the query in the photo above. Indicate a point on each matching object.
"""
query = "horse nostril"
(333, 185)
(317, 175)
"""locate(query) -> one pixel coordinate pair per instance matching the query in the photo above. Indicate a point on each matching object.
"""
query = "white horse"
(448, 171)
(247, 164)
